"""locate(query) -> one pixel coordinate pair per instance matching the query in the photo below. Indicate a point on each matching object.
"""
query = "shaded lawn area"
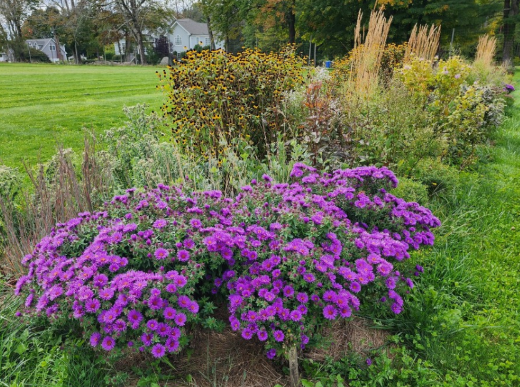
(44, 104)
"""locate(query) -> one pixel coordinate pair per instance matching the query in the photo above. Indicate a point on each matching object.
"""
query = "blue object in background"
(328, 64)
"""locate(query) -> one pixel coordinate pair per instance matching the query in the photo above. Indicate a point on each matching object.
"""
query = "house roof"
(40, 41)
(193, 27)
(44, 42)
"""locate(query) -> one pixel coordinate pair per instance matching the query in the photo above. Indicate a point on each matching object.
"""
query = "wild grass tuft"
(423, 43)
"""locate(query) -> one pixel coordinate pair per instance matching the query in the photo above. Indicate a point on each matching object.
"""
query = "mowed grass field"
(44, 105)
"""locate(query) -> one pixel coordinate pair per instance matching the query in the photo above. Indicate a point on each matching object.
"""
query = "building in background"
(182, 35)
(49, 48)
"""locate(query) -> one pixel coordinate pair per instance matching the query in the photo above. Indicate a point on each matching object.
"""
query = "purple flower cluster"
(286, 256)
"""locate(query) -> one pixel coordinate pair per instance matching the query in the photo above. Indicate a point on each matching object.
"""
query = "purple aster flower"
(94, 339)
(247, 334)
(119, 325)
(183, 255)
(180, 319)
(169, 313)
(355, 287)
(309, 277)
(147, 338)
(195, 223)
(288, 291)
(155, 302)
(163, 330)
(193, 307)
(396, 308)
(184, 301)
(262, 335)
(161, 253)
(134, 316)
(271, 354)
(296, 315)
(152, 324)
(172, 345)
(29, 300)
(345, 311)
(175, 333)
(100, 280)
(278, 335)
(158, 351)
(369, 362)
(390, 282)
(330, 296)
(108, 343)
(180, 281)
(330, 312)
(109, 316)
(160, 223)
(92, 305)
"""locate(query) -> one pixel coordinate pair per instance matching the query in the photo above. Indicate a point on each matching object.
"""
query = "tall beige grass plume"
(423, 42)
(366, 61)
(486, 48)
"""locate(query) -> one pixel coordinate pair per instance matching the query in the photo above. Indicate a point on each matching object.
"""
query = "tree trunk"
(291, 23)
(210, 33)
(58, 48)
(293, 367)
(141, 47)
(77, 58)
(510, 14)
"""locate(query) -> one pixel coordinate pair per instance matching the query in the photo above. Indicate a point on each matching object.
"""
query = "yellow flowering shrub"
(215, 98)
(437, 83)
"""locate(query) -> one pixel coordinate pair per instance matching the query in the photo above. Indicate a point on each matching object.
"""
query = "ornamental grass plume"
(366, 63)
(423, 43)
(486, 51)
(283, 257)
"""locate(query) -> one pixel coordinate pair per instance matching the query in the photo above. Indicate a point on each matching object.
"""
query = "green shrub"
(10, 182)
(435, 176)
(475, 114)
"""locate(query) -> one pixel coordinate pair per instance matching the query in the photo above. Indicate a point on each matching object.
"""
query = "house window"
(40, 47)
(178, 40)
(52, 48)
(207, 42)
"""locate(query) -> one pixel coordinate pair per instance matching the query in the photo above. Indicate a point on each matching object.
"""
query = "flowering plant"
(285, 257)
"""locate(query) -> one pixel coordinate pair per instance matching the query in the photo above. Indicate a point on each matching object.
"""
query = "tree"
(511, 8)
(14, 13)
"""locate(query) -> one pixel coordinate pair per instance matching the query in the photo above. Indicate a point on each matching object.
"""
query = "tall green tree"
(511, 11)
(13, 13)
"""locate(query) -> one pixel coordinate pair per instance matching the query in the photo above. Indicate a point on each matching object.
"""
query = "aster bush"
(284, 257)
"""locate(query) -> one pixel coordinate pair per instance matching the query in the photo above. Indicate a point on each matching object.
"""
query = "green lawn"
(43, 105)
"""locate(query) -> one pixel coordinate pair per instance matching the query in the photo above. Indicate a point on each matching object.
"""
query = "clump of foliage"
(214, 96)
(463, 116)
(285, 257)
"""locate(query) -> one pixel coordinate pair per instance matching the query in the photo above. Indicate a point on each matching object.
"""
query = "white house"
(187, 33)
(48, 46)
